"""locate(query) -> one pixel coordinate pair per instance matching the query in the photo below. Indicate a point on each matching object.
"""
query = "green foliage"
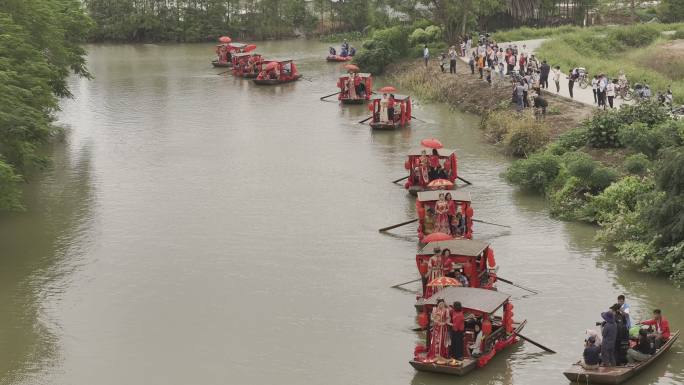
(637, 164)
(671, 10)
(535, 173)
(526, 33)
(638, 35)
(521, 134)
(602, 129)
(647, 112)
(384, 47)
(567, 201)
(39, 47)
(667, 217)
(574, 139)
(649, 140)
(619, 198)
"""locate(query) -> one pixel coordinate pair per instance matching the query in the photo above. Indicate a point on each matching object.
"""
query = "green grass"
(526, 33)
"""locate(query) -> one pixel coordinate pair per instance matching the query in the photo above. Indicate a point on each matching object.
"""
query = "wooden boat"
(444, 156)
(276, 72)
(224, 53)
(477, 303)
(218, 64)
(362, 89)
(402, 113)
(425, 203)
(247, 64)
(474, 258)
(615, 374)
(338, 58)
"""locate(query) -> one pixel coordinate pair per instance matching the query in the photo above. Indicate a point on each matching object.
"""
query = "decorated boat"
(469, 262)
(226, 49)
(277, 72)
(616, 374)
(338, 58)
(428, 164)
(488, 308)
(389, 111)
(247, 64)
(432, 215)
(355, 87)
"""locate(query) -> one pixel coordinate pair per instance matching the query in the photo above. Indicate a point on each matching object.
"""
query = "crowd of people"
(619, 342)
(345, 50)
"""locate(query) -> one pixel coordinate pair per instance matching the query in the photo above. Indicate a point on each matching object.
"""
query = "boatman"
(457, 331)
(662, 328)
(624, 308)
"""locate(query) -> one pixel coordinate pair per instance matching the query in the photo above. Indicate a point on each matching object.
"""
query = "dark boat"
(615, 374)
(476, 303)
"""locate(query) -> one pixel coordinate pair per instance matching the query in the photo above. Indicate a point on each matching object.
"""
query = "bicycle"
(624, 92)
(583, 78)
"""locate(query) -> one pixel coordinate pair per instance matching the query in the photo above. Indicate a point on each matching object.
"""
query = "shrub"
(638, 35)
(568, 201)
(619, 198)
(434, 33)
(649, 140)
(574, 139)
(637, 164)
(534, 173)
(384, 47)
(419, 36)
(647, 112)
(580, 165)
(602, 177)
(602, 129)
(521, 134)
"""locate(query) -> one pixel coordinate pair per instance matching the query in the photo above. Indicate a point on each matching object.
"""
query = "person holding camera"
(591, 355)
(609, 334)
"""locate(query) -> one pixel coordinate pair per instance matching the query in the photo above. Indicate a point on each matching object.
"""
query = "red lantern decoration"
(423, 268)
(423, 320)
(486, 326)
(419, 349)
(469, 212)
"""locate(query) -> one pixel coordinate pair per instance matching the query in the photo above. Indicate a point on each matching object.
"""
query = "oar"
(420, 120)
(224, 72)
(397, 225)
(365, 120)
(463, 180)
(327, 96)
(490, 223)
(400, 179)
(516, 285)
(537, 344)
(405, 283)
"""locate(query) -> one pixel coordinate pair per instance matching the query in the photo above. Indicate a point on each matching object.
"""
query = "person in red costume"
(439, 334)
(661, 326)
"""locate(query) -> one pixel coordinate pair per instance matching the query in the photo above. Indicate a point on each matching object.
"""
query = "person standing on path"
(426, 55)
(452, 60)
(556, 78)
(544, 75)
(601, 92)
(519, 94)
(471, 62)
(594, 88)
(481, 65)
(571, 82)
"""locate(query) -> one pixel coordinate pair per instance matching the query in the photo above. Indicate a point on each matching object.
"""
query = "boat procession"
(464, 315)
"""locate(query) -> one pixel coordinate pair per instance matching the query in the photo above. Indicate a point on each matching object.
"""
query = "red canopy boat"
(355, 88)
(492, 309)
(391, 112)
(429, 220)
(473, 259)
(247, 64)
(425, 165)
(224, 51)
(277, 72)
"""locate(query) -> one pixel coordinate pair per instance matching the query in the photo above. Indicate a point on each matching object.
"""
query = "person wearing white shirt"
(594, 87)
(556, 77)
(610, 92)
(426, 55)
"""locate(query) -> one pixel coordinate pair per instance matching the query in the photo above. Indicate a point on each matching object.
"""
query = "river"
(196, 229)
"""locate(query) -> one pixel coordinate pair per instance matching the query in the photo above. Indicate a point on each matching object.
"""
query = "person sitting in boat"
(352, 51)
(458, 274)
(439, 334)
(661, 326)
(591, 357)
(332, 51)
(360, 87)
(273, 74)
(595, 334)
(344, 52)
(429, 221)
(457, 330)
(643, 350)
(476, 346)
(390, 108)
(458, 225)
(442, 215)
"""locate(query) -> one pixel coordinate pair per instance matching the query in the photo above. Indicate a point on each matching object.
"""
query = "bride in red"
(442, 215)
(435, 270)
(439, 335)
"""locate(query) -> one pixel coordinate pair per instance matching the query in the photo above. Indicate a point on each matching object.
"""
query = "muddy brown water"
(196, 229)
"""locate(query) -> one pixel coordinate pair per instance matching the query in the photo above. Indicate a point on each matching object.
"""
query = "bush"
(434, 33)
(602, 177)
(638, 35)
(602, 129)
(580, 165)
(647, 112)
(649, 140)
(384, 47)
(574, 139)
(521, 134)
(419, 36)
(637, 164)
(619, 198)
(568, 201)
(535, 173)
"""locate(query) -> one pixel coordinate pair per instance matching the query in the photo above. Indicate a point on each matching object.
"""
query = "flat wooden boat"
(272, 82)
(354, 101)
(338, 58)
(615, 374)
(385, 126)
(216, 63)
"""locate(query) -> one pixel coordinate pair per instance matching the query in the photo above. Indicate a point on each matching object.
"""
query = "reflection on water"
(199, 229)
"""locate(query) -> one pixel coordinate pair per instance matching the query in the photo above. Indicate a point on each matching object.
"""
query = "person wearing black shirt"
(643, 350)
(592, 354)
(540, 104)
(544, 75)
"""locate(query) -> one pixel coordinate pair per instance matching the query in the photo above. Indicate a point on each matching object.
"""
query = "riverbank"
(468, 92)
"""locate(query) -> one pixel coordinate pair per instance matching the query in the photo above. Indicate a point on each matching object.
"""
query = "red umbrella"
(351, 67)
(271, 66)
(431, 143)
(225, 39)
(387, 90)
(441, 183)
(444, 281)
(249, 48)
(436, 237)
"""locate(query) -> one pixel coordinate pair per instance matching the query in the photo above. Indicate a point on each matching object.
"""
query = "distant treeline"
(39, 48)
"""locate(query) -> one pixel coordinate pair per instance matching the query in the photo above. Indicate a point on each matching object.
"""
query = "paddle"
(537, 344)
(516, 285)
(490, 223)
(327, 96)
(400, 179)
(463, 180)
(224, 72)
(367, 119)
(420, 120)
(405, 283)
(397, 225)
